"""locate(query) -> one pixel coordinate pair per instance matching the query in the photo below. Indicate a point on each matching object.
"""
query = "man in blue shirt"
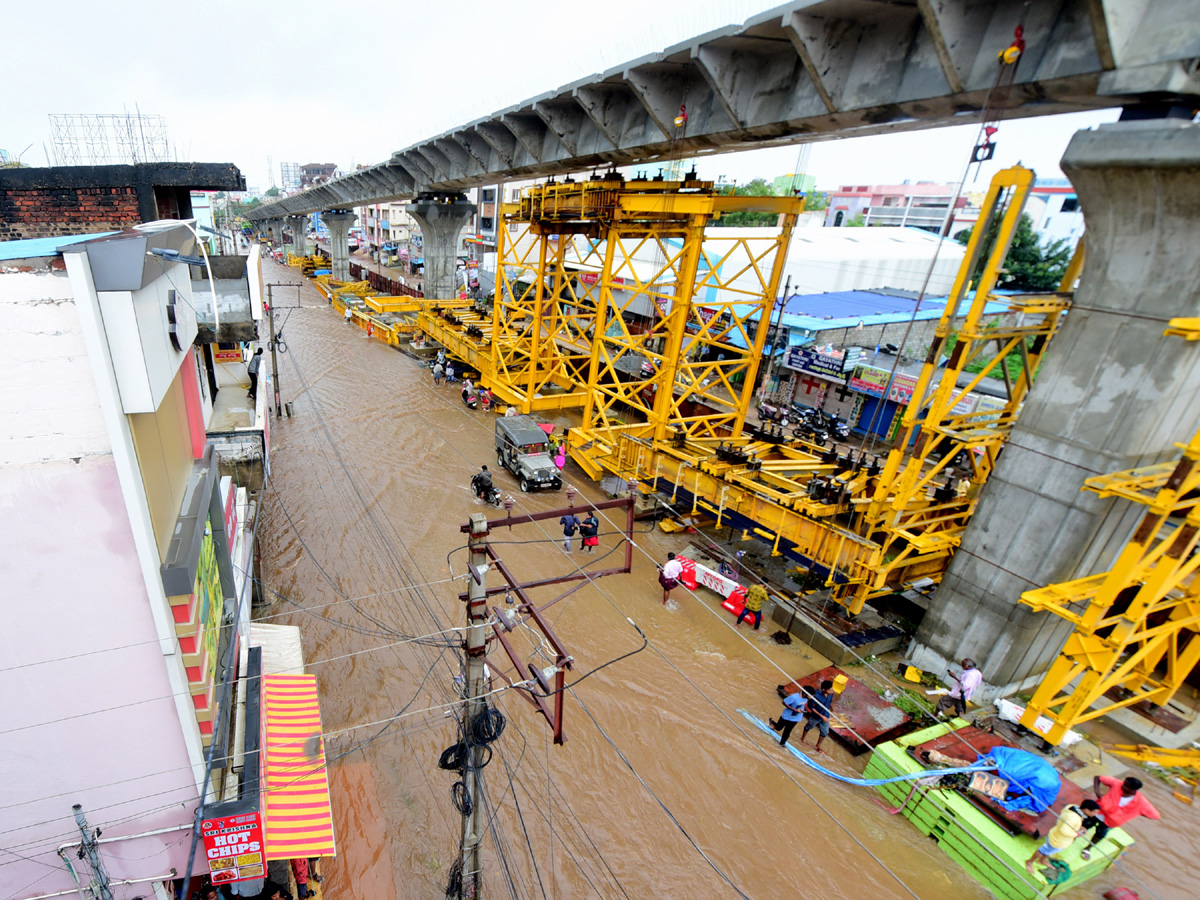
(793, 712)
(570, 524)
(819, 711)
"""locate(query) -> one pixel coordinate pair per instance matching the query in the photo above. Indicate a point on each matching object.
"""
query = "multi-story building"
(128, 560)
(313, 173)
(913, 205)
(1053, 207)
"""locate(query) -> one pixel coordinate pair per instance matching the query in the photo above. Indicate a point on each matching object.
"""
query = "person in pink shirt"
(1119, 802)
(964, 688)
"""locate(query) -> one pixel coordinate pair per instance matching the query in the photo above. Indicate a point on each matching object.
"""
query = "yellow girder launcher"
(914, 510)
(1136, 626)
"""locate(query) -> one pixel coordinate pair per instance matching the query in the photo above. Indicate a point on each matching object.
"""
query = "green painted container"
(994, 857)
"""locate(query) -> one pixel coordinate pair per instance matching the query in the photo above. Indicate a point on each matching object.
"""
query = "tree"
(272, 192)
(816, 201)
(756, 188)
(859, 221)
(1030, 266)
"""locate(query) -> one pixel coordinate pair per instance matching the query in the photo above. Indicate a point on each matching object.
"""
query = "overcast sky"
(240, 80)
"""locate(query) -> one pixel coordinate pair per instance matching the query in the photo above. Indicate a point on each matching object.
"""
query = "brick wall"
(64, 211)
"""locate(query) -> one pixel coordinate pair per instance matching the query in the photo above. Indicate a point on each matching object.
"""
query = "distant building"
(290, 177)
(1053, 207)
(786, 185)
(921, 205)
(312, 173)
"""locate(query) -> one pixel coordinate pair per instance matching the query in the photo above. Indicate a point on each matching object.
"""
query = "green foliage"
(273, 192)
(815, 201)
(756, 188)
(1012, 362)
(859, 221)
(1030, 266)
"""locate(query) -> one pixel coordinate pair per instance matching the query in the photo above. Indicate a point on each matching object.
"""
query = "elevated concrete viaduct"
(1112, 395)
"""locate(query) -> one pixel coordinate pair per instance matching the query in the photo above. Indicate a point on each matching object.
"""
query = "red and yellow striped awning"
(297, 819)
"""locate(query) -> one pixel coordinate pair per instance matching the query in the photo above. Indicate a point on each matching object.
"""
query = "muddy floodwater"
(662, 788)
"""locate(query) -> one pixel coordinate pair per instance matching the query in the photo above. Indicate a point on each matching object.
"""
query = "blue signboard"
(805, 360)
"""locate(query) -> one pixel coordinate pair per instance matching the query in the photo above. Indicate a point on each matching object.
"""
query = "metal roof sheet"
(32, 248)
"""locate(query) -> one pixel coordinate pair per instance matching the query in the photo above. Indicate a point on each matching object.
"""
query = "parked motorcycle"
(808, 430)
(486, 491)
(470, 400)
(769, 412)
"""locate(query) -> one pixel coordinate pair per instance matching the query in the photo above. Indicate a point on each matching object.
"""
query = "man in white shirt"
(669, 576)
(964, 688)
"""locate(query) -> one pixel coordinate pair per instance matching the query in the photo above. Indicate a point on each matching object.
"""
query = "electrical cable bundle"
(488, 726)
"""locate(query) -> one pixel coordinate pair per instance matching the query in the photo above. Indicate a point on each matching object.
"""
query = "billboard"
(233, 846)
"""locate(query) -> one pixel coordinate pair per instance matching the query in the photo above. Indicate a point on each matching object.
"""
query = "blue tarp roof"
(32, 248)
(844, 304)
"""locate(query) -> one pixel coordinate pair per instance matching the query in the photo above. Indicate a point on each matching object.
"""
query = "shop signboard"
(901, 388)
(210, 599)
(825, 365)
(233, 846)
(877, 382)
(227, 353)
(594, 278)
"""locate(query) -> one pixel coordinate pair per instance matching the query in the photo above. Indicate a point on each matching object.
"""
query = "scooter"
(768, 412)
(487, 492)
(471, 401)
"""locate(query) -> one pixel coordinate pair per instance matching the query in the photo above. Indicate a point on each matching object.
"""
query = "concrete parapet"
(441, 219)
(1114, 394)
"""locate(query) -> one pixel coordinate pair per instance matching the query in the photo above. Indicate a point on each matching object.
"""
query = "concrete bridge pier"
(1114, 394)
(299, 241)
(441, 217)
(338, 221)
(275, 229)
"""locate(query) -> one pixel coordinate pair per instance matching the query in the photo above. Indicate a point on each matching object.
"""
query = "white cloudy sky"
(240, 80)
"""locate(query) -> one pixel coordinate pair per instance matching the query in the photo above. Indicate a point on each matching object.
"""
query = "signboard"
(594, 278)
(210, 599)
(873, 381)
(233, 846)
(822, 364)
(227, 353)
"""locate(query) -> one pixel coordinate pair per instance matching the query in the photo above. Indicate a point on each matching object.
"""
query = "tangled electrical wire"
(461, 757)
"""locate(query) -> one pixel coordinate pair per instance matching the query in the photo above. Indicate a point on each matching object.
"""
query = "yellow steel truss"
(1135, 636)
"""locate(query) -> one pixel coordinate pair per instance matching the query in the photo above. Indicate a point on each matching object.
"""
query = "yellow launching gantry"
(614, 299)
(1135, 636)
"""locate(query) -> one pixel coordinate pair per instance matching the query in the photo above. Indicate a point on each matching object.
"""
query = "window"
(489, 195)
(1070, 204)
(486, 224)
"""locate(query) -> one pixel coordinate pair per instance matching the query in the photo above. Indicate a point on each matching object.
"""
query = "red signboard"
(594, 277)
(233, 846)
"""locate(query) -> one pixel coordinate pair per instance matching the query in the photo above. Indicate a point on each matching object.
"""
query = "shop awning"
(297, 817)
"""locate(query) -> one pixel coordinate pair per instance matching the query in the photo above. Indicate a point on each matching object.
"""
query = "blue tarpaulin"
(1027, 772)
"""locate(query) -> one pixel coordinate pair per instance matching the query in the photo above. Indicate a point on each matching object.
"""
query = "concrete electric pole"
(101, 889)
(476, 705)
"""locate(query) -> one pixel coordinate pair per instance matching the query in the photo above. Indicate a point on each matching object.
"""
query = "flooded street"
(661, 787)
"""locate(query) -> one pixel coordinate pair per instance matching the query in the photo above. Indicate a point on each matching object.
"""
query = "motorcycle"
(470, 400)
(769, 412)
(808, 429)
(486, 491)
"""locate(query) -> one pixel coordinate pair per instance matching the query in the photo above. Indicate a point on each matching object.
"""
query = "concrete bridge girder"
(813, 70)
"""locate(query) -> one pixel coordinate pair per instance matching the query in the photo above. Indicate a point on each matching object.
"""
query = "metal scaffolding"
(1135, 637)
(80, 139)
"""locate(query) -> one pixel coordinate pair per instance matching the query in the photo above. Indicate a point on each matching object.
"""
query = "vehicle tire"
(819, 438)
(524, 485)
(798, 432)
(500, 460)
(556, 484)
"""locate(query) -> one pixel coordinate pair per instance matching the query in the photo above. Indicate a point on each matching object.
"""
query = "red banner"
(233, 846)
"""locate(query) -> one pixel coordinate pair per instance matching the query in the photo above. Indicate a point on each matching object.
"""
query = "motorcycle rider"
(481, 482)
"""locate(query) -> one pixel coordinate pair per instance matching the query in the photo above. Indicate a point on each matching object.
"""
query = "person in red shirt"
(1120, 801)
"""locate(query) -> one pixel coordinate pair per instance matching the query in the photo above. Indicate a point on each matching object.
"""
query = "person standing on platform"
(1119, 802)
(793, 711)
(755, 598)
(1072, 822)
(252, 371)
(964, 688)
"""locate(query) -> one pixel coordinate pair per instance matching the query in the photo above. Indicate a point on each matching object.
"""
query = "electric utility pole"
(99, 876)
(771, 364)
(274, 359)
(477, 618)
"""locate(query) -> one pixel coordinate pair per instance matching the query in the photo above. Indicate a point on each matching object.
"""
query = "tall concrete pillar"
(299, 241)
(441, 217)
(1113, 394)
(275, 227)
(338, 221)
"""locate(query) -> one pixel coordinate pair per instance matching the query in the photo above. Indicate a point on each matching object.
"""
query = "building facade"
(921, 205)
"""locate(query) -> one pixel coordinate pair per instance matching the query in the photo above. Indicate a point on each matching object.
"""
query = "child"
(1072, 822)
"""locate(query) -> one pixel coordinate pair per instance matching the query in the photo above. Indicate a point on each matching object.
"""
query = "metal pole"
(102, 890)
(771, 366)
(477, 615)
(271, 344)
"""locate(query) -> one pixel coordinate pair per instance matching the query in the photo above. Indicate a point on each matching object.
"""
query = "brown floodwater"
(362, 528)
